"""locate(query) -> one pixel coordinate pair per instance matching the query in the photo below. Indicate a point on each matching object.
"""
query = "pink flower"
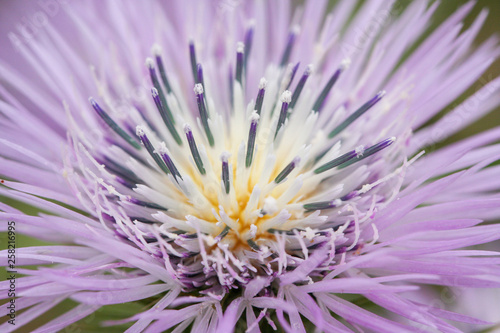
(246, 164)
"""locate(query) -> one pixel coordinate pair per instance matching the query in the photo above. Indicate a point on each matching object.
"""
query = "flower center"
(237, 195)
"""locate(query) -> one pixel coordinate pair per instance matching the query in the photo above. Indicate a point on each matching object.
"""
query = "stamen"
(336, 162)
(252, 134)
(200, 100)
(248, 45)
(260, 95)
(138, 202)
(164, 116)
(288, 50)
(286, 171)
(349, 196)
(231, 86)
(240, 53)
(300, 85)
(322, 205)
(370, 151)
(142, 220)
(292, 74)
(194, 149)
(114, 126)
(161, 68)
(199, 74)
(192, 57)
(286, 97)
(290, 232)
(164, 153)
(149, 147)
(253, 245)
(142, 113)
(318, 105)
(225, 171)
(119, 170)
(358, 113)
(156, 84)
(223, 234)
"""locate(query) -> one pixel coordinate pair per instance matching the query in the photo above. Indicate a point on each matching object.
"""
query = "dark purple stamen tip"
(318, 105)
(170, 165)
(289, 46)
(252, 134)
(239, 63)
(322, 205)
(292, 74)
(248, 45)
(223, 234)
(200, 101)
(369, 151)
(260, 96)
(114, 126)
(286, 171)
(336, 162)
(157, 97)
(225, 173)
(231, 85)
(146, 204)
(356, 114)
(149, 147)
(300, 86)
(167, 114)
(285, 101)
(163, 72)
(349, 196)
(192, 57)
(194, 150)
(199, 74)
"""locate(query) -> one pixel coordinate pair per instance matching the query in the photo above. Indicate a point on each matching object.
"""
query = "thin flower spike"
(194, 149)
(286, 171)
(199, 74)
(252, 135)
(161, 67)
(300, 86)
(285, 101)
(113, 125)
(240, 55)
(200, 101)
(164, 114)
(260, 96)
(356, 114)
(248, 44)
(150, 148)
(318, 104)
(280, 197)
(194, 63)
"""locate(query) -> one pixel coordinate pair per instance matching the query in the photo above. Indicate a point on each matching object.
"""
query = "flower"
(246, 165)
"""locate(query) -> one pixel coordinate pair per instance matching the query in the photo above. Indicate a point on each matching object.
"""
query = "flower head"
(232, 162)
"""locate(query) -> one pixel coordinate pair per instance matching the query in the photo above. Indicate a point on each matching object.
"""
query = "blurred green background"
(491, 27)
(447, 7)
